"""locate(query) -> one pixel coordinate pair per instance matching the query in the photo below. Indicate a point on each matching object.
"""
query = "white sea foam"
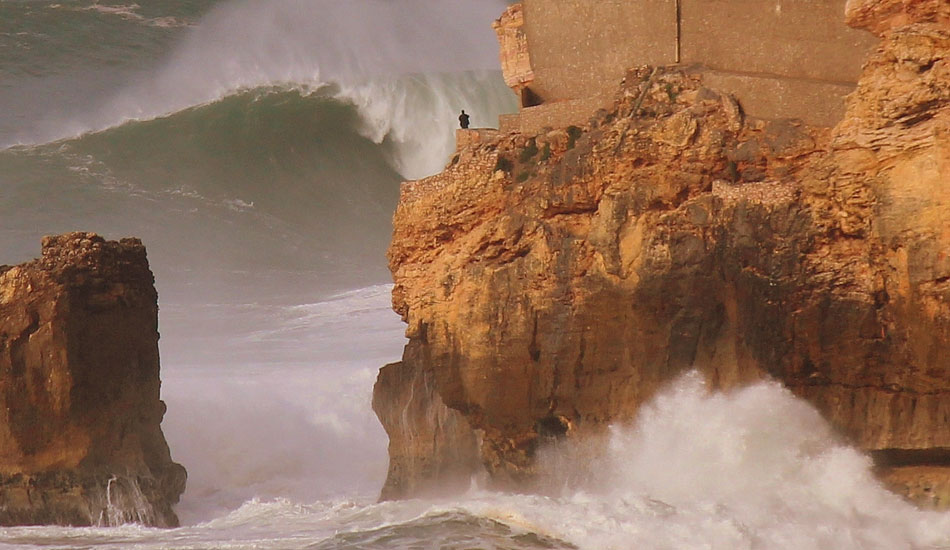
(128, 12)
(753, 468)
(750, 469)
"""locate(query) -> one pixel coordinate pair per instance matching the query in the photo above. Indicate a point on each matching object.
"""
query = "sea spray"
(420, 145)
(124, 503)
(777, 478)
(293, 419)
(751, 468)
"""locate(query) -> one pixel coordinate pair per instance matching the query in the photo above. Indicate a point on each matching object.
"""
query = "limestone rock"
(80, 413)
(881, 16)
(432, 448)
(670, 234)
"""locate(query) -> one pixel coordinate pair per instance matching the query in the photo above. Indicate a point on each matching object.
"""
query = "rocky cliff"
(552, 283)
(80, 413)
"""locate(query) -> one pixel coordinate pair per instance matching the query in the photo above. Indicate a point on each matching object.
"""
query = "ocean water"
(256, 147)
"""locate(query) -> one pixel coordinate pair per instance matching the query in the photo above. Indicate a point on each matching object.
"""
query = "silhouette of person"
(463, 120)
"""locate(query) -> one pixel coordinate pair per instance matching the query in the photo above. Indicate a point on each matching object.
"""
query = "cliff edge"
(552, 283)
(80, 414)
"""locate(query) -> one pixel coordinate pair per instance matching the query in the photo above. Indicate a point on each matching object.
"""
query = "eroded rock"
(80, 412)
(570, 280)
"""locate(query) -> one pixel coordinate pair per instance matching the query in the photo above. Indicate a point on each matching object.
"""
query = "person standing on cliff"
(463, 120)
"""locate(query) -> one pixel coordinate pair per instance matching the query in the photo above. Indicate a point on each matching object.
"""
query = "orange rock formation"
(552, 283)
(80, 435)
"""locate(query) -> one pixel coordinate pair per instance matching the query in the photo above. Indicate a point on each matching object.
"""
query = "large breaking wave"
(382, 56)
(269, 178)
(259, 159)
(272, 139)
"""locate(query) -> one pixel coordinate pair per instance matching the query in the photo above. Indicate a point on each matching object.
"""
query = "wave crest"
(409, 67)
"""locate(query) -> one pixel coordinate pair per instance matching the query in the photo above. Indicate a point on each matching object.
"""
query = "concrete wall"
(816, 102)
(580, 45)
(805, 39)
(781, 58)
(558, 114)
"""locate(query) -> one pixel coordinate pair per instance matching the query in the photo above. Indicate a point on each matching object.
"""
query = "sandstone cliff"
(552, 283)
(80, 414)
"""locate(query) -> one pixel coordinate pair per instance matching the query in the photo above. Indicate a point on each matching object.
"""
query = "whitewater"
(257, 149)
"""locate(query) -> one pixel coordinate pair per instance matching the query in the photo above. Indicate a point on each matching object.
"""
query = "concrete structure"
(780, 58)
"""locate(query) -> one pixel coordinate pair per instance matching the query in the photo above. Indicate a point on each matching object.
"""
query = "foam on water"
(751, 469)
(130, 13)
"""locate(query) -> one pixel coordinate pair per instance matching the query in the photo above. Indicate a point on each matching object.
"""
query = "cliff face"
(433, 448)
(80, 414)
(891, 172)
(552, 283)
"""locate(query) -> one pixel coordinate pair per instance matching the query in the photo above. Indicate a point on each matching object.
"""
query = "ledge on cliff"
(80, 411)
(572, 273)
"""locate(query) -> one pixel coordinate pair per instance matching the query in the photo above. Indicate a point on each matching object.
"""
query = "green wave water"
(261, 181)
(58, 58)
(245, 142)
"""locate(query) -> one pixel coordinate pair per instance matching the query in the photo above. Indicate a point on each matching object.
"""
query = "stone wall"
(816, 102)
(558, 114)
(780, 59)
(474, 136)
(581, 46)
(801, 40)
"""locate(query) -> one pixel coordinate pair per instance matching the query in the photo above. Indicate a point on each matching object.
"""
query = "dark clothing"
(463, 120)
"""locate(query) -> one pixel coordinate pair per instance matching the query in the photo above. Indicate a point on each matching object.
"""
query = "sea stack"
(80, 412)
(560, 272)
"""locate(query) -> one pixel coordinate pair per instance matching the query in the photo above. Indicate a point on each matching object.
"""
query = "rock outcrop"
(434, 456)
(552, 283)
(883, 16)
(515, 61)
(80, 413)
